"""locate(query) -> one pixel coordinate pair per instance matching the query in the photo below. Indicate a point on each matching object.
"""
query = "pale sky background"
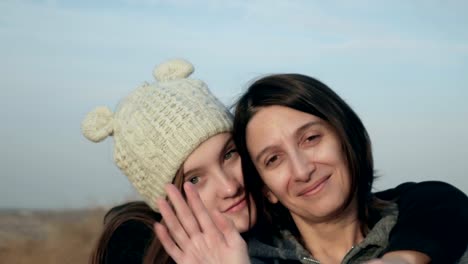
(402, 65)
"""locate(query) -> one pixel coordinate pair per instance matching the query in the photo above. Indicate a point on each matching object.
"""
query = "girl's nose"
(229, 186)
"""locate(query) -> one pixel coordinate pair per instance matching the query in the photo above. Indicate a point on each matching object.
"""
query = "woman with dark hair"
(307, 162)
(311, 156)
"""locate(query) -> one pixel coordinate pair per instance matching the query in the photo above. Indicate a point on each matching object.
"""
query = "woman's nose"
(302, 165)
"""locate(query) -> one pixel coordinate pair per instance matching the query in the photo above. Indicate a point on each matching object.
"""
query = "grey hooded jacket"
(287, 249)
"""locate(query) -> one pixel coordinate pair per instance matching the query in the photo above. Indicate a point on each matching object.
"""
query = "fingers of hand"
(224, 224)
(184, 213)
(169, 245)
(199, 209)
(172, 223)
(227, 228)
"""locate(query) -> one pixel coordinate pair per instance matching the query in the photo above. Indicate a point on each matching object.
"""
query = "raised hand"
(192, 236)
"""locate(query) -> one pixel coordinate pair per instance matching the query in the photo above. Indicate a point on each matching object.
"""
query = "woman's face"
(215, 170)
(300, 160)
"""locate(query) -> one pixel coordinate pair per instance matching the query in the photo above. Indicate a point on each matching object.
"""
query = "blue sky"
(402, 65)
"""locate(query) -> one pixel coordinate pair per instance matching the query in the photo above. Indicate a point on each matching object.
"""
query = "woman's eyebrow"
(261, 153)
(299, 131)
(306, 126)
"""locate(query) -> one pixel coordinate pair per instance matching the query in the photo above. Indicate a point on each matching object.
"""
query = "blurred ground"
(48, 236)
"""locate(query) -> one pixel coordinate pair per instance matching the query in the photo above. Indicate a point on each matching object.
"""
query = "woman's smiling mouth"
(315, 188)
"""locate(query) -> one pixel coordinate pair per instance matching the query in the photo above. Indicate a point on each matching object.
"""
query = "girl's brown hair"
(136, 213)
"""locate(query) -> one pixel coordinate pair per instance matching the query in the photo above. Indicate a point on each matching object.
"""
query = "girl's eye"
(194, 180)
(230, 154)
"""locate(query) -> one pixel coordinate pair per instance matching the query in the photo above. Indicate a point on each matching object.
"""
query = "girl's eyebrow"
(188, 173)
(225, 147)
(227, 144)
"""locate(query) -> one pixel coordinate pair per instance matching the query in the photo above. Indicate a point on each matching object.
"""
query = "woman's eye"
(311, 138)
(230, 154)
(271, 160)
(194, 180)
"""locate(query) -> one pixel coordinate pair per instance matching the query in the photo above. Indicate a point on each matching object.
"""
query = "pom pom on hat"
(173, 70)
(98, 124)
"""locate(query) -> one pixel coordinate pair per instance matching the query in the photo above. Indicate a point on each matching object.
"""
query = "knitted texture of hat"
(158, 125)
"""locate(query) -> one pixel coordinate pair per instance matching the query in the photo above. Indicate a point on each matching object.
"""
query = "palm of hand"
(216, 250)
(192, 236)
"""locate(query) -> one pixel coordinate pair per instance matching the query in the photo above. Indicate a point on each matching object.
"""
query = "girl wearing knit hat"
(176, 131)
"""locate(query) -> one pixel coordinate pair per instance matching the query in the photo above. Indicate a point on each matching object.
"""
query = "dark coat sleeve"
(433, 219)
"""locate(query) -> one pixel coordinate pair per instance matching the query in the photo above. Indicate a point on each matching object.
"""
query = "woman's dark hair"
(305, 94)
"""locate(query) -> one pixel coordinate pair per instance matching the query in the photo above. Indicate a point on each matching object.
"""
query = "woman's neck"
(330, 241)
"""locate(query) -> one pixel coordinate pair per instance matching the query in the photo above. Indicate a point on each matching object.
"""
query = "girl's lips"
(236, 207)
(316, 187)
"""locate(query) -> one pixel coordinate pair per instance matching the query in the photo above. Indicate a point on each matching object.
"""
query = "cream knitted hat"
(158, 125)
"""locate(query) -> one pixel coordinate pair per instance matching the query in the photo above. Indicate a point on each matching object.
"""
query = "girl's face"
(300, 160)
(214, 168)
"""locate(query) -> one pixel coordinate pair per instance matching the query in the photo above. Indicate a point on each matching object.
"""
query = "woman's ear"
(269, 195)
